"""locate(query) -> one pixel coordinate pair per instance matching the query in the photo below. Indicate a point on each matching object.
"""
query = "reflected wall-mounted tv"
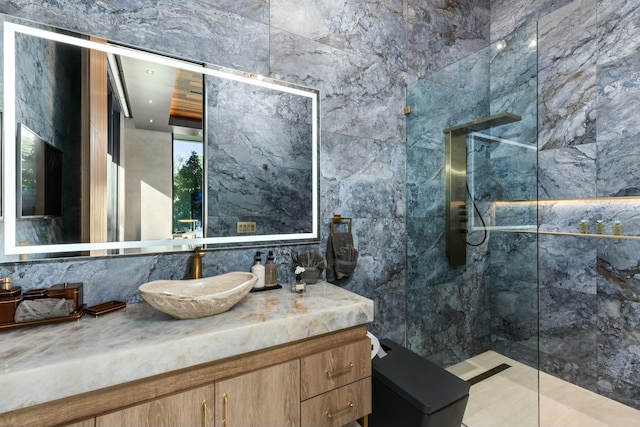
(40, 176)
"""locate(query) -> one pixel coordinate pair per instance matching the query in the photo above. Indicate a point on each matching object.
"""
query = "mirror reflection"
(152, 153)
(40, 176)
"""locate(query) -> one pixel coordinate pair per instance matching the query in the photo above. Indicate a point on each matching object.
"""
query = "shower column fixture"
(456, 182)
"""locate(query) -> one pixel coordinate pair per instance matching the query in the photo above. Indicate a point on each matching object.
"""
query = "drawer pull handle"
(340, 371)
(345, 409)
(224, 409)
(204, 413)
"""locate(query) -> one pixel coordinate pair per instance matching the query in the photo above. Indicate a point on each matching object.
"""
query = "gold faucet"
(196, 262)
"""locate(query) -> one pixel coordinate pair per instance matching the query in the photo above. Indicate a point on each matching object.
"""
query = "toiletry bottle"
(584, 227)
(258, 270)
(270, 271)
(599, 227)
(616, 228)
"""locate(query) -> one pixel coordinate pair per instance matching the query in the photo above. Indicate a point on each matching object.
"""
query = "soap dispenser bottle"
(258, 270)
(270, 271)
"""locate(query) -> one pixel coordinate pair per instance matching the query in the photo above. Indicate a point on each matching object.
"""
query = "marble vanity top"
(44, 363)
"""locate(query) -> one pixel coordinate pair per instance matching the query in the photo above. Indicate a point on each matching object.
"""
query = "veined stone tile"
(618, 350)
(567, 109)
(360, 97)
(215, 36)
(258, 10)
(380, 272)
(562, 311)
(567, 263)
(513, 308)
(428, 120)
(513, 65)
(520, 101)
(114, 20)
(618, 128)
(424, 180)
(567, 38)
(507, 15)
(567, 58)
(618, 270)
(568, 172)
(368, 183)
(470, 75)
(618, 26)
(449, 32)
(373, 30)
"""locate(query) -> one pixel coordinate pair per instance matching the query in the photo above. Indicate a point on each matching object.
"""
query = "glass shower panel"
(483, 314)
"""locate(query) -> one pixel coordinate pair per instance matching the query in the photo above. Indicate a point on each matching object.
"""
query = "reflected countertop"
(44, 363)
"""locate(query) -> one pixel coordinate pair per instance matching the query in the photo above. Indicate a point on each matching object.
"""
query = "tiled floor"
(510, 398)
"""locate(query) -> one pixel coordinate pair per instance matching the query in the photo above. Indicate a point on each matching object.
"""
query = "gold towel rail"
(338, 219)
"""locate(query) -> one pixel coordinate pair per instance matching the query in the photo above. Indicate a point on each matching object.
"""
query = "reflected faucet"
(196, 262)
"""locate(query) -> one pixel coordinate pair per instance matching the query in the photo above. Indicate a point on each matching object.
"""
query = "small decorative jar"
(616, 228)
(299, 286)
(599, 227)
(583, 227)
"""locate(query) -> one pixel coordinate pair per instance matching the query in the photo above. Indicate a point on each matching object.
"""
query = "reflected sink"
(191, 299)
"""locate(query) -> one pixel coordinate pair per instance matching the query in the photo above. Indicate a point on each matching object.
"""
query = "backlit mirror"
(112, 150)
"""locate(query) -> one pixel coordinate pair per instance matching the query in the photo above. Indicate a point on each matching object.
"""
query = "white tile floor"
(510, 399)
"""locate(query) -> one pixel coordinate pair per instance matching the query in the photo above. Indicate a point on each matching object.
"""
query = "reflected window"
(187, 186)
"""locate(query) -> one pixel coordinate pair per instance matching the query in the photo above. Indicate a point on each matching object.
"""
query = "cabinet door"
(186, 409)
(269, 397)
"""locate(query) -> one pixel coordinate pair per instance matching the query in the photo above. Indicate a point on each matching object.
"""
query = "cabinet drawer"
(338, 407)
(334, 368)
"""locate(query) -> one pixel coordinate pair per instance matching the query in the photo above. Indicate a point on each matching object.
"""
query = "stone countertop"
(44, 363)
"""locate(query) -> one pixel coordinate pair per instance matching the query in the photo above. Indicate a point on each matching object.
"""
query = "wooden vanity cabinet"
(316, 382)
(336, 385)
(193, 408)
(269, 397)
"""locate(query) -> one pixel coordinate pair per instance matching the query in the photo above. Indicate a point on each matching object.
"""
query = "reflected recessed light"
(501, 45)
(533, 43)
(149, 71)
(150, 120)
(151, 101)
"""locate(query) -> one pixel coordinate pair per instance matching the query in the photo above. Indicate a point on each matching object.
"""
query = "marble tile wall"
(359, 54)
(259, 161)
(588, 132)
(454, 314)
(52, 118)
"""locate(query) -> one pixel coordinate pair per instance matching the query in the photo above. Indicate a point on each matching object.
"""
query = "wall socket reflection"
(246, 227)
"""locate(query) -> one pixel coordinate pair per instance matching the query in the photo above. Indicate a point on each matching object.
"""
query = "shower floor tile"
(510, 398)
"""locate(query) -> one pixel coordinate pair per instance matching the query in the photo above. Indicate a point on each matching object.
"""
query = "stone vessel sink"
(191, 299)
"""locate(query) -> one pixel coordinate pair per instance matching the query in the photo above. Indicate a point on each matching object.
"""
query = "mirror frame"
(9, 159)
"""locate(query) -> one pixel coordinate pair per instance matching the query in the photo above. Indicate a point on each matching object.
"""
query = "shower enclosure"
(472, 277)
